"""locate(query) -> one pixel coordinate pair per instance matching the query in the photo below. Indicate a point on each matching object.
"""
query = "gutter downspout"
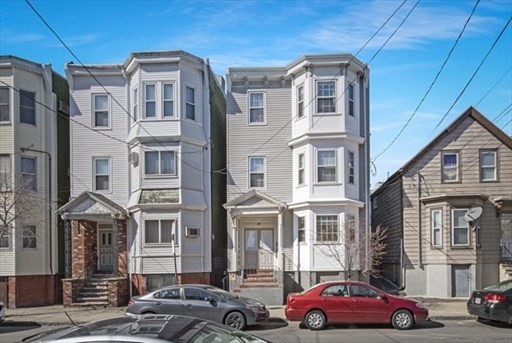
(420, 233)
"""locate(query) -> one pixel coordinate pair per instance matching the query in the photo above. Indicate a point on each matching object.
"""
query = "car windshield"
(502, 286)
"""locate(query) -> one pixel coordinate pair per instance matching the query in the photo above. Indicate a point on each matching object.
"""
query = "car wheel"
(402, 320)
(315, 320)
(236, 320)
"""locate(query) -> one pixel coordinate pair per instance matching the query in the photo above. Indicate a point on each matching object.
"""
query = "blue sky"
(273, 33)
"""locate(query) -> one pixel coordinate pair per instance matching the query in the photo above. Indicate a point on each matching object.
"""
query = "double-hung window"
(350, 167)
(168, 100)
(436, 223)
(326, 166)
(135, 104)
(5, 172)
(460, 228)
(160, 162)
(351, 99)
(450, 166)
(256, 172)
(300, 101)
(327, 228)
(326, 96)
(101, 173)
(488, 162)
(29, 237)
(190, 103)
(159, 231)
(150, 100)
(256, 108)
(301, 229)
(301, 168)
(5, 104)
(101, 116)
(28, 172)
(27, 107)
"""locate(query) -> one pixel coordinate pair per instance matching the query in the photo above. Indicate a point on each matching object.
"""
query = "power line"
(474, 74)
(105, 89)
(316, 95)
(494, 86)
(431, 84)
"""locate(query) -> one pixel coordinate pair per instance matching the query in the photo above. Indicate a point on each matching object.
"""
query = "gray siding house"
(146, 205)
(448, 212)
(297, 173)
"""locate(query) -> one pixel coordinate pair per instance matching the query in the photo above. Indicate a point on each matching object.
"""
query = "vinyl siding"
(86, 143)
(247, 140)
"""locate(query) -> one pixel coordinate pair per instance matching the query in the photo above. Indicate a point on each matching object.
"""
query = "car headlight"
(255, 307)
(422, 306)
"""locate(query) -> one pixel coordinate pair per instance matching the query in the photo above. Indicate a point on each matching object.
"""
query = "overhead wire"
(474, 74)
(431, 84)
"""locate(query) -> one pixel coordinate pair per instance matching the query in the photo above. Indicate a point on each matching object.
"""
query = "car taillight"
(495, 298)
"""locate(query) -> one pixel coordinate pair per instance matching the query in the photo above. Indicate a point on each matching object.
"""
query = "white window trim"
(162, 107)
(8, 104)
(303, 169)
(249, 108)
(35, 107)
(185, 102)
(351, 99)
(135, 105)
(109, 159)
(145, 101)
(434, 229)
(35, 171)
(351, 169)
(264, 172)
(452, 229)
(335, 167)
(457, 179)
(338, 221)
(299, 102)
(174, 232)
(159, 175)
(495, 165)
(299, 229)
(317, 112)
(93, 110)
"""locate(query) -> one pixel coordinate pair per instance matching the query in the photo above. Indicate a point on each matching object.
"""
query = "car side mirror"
(383, 296)
(209, 299)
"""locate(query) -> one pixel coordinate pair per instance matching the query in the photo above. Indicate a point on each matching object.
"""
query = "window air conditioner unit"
(63, 107)
(192, 232)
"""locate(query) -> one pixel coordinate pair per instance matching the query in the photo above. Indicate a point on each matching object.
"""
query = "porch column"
(280, 257)
(115, 240)
(67, 248)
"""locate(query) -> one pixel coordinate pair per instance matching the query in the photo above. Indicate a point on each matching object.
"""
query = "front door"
(460, 280)
(106, 251)
(259, 252)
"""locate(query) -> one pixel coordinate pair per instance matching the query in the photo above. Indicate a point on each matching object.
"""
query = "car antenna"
(71, 320)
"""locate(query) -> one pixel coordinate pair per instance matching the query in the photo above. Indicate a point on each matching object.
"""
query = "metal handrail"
(508, 255)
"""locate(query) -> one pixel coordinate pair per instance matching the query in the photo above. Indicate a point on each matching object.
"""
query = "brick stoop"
(259, 279)
(94, 292)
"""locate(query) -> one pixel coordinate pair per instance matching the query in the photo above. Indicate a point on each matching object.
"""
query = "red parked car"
(352, 302)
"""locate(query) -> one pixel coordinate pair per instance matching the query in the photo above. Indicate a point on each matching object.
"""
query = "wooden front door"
(105, 250)
(259, 249)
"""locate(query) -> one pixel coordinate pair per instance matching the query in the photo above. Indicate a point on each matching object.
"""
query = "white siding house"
(142, 153)
(29, 180)
(298, 176)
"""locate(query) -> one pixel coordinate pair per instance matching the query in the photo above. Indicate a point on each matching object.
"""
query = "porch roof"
(89, 206)
(255, 201)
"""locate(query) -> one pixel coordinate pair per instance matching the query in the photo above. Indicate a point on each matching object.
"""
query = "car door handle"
(158, 303)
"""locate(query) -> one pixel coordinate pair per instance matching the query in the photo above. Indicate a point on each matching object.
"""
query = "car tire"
(236, 320)
(402, 320)
(315, 320)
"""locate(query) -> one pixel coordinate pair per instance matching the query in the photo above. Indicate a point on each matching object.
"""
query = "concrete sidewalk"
(439, 310)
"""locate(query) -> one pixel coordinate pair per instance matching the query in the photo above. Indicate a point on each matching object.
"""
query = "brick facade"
(84, 245)
(31, 290)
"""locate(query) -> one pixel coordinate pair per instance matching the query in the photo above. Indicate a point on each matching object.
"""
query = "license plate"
(478, 300)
